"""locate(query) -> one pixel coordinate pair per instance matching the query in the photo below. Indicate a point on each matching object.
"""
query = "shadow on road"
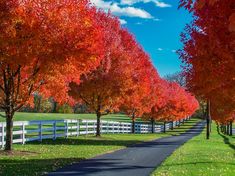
(137, 160)
(96, 166)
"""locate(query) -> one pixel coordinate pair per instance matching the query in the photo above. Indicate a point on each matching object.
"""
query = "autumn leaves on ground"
(72, 54)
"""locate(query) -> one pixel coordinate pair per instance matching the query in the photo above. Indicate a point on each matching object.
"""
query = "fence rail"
(25, 131)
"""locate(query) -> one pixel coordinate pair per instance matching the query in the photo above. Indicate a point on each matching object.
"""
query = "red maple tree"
(39, 43)
(209, 55)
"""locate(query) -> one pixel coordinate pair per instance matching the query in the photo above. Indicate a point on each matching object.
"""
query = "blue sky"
(156, 24)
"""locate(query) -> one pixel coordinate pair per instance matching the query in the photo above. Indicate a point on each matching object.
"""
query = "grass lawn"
(25, 116)
(214, 157)
(50, 155)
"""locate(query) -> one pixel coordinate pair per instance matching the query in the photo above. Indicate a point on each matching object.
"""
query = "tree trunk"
(9, 131)
(207, 128)
(208, 120)
(54, 110)
(98, 115)
(210, 124)
(231, 128)
(164, 127)
(133, 125)
(172, 125)
(153, 126)
(228, 126)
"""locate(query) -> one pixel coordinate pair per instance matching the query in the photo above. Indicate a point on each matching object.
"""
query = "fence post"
(40, 131)
(113, 127)
(54, 130)
(77, 128)
(107, 127)
(66, 129)
(23, 133)
(119, 126)
(94, 131)
(86, 127)
(123, 127)
(3, 140)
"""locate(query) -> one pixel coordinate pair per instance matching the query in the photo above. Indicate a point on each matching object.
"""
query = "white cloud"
(160, 49)
(122, 21)
(161, 4)
(101, 4)
(122, 11)
(130, 2)
(158, 3)
(129, 11)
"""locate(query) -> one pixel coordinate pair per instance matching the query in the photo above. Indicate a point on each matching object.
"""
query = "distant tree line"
(49, 105)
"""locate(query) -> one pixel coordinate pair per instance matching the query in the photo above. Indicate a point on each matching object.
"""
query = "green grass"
(25, 116)
(213, 157)
(51, 155)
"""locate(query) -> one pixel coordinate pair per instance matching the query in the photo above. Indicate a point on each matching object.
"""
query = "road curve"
(137, 160)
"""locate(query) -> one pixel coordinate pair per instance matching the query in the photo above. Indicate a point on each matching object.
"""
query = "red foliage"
(142, 77)
(174, 103)
(40, 45)
(209, 55)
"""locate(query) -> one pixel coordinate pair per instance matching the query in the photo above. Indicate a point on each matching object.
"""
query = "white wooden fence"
(25, 131)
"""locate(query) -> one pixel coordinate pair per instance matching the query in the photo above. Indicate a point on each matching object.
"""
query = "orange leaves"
(50, 42)
(102, 88)
(173, 103)
(55, 47)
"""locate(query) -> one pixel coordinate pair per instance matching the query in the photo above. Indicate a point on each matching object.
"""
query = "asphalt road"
(137, 160)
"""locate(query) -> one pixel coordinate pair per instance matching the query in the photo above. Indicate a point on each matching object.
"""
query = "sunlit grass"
(51, 155)
(214, 157)
(25, 116)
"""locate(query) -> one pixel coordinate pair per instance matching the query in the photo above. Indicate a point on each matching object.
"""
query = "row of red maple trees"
(74, 52)
(209, 56)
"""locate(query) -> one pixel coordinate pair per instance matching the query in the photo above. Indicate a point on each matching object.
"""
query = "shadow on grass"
(33, 167)
(110, 142)
(226, 139)
(200, 162)
(89, 142)
(186, 125)
(182, 131)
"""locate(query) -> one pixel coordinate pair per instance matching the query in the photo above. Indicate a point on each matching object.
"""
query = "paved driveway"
(137, 160)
